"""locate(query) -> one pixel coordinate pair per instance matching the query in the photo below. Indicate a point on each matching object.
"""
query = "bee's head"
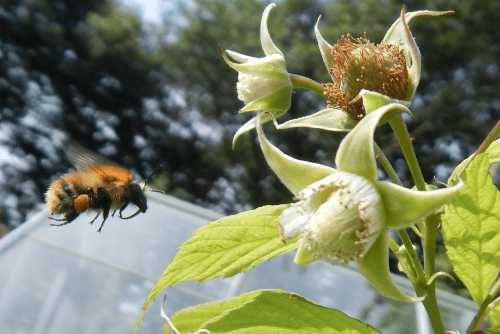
(136, 196)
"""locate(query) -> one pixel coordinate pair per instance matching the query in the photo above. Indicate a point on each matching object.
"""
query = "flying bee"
(96, 185)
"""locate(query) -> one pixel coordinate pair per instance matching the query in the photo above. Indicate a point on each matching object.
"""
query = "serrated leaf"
(471, 229)
(494, 316)
(225, 247)
(267, 311)
(493, 152)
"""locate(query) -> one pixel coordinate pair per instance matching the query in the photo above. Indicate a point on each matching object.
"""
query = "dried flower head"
(360, 64)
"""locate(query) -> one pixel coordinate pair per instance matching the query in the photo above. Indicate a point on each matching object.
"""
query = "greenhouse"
(72, 279)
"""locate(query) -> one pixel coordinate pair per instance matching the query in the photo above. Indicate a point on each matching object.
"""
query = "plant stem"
(429, 232)
(490, 137)
(401, 132)
(403, 235)
(386, 165)
(414, 261)
(483, 308)
(300, 81)
(429, 244)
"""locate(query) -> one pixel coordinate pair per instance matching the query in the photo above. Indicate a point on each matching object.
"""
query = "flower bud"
(263, 83)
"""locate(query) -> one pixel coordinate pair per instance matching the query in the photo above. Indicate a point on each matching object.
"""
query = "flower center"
(361, 64)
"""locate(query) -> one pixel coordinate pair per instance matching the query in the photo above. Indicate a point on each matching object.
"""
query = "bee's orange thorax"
(112, 174)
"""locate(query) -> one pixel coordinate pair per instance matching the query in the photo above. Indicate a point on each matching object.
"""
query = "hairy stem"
(402, 135)
(300, 81)
(484, 307)
(429, 231)
(403, 235)
(386, 165)
(490, 138)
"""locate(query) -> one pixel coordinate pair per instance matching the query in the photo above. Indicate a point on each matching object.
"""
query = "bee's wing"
(84, 160)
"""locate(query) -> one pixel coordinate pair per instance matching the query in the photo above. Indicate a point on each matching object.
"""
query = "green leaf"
(493, 152)
(494, 316)
(267, 311)
(225, 247)
(471, 229)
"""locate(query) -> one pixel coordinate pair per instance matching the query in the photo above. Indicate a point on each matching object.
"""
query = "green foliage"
(470, 228)
(494, 317)
(225, 247)
(111, 32)
(267, 311)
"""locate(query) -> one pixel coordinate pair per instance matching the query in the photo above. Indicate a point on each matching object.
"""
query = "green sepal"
(269, 66)
(266, 42)
(277, 102)
(399, 34)
(249, 126)
(373, 100)
(324, 47)
(329, 119)
(405, 207)
(356, 152)
(295, 174)
(374, 266)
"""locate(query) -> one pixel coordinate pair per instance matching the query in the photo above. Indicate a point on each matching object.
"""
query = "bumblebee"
(96, 185)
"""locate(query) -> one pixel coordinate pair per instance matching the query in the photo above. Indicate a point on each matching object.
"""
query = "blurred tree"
(145, 96)
(457, 100)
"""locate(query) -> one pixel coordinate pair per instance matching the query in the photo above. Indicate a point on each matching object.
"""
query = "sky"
(151, 10)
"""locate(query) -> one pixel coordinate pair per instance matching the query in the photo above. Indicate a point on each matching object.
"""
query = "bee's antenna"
(147, 180)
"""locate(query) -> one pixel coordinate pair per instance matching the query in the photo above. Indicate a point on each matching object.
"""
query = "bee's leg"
(105, 214)
(67, 219)
(106, 207)
(95, 218)
(57, 219)
(123, 207)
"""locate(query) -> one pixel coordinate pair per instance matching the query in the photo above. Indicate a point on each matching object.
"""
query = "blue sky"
(151, 10)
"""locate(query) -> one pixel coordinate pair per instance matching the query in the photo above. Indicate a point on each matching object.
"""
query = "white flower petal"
(293, 221)
(348, 217)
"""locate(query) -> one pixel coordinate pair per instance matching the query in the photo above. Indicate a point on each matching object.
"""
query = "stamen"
(361, 64)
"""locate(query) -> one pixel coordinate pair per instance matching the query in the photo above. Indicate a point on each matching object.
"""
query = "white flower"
(345, 214)
(339, 216)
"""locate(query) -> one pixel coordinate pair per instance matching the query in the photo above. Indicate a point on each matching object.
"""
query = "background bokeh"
(144, 85)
